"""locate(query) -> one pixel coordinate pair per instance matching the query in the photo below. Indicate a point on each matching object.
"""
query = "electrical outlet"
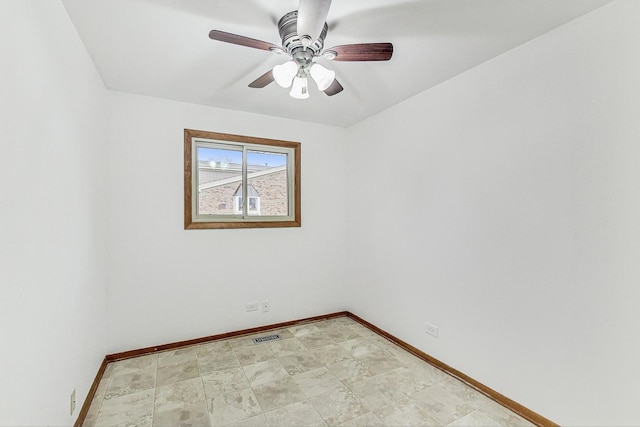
(72, 402)
(253, 306)
(431, 329)
(266, 306)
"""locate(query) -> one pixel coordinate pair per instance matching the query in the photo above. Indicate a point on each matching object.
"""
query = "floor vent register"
(260, 340)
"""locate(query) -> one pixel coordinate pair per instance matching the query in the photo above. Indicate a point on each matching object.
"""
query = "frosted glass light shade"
(322, 76)
(284, 74)
(299, 89)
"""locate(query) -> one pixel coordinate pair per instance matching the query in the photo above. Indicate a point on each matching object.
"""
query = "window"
(234, 181)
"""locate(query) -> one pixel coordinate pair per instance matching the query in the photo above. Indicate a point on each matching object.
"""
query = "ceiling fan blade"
(361, 52)
(263, 80)
(335, 87)
(243, 41)
(312, 15)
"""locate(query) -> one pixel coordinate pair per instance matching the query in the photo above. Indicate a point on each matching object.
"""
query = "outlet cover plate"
(431, 329)
(72, 402)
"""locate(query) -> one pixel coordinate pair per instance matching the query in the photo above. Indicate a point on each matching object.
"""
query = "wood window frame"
(190, 224)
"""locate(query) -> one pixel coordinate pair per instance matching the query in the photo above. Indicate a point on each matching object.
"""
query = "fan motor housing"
(288, 28)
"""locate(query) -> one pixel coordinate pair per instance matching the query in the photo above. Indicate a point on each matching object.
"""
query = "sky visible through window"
(225, 156)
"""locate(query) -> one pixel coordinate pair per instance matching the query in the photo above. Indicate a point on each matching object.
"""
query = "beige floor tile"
(221, 382)
(503, 416)
(135, 409)
(215, 347)
(343, 320)
(315, 340)
(243, 341)
(379, 391)
(178, 395)
(304, 329)
(380, 361)
(189, 415)
(443, 406)
(359, 347)
(405, 412)
(470, 396)
(286, 347)
(257, 421)
(333, 353)
(424, 375)
(232, 407)
(326, 324)
(367, 420)
(124, 384)
(341, 333)
(265, 372)
(250, 355)
(294, 415)
(300, 362)
(350, 371)
(168, 358)
(176, 372)
(380, 341)
(407, 381)
(216, 360)
(338, 406)
(278, 393)
(474, 419)
(361, 330)
(146, 363)
(316, 382)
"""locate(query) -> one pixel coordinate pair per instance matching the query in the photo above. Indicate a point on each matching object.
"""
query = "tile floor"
(327, 373)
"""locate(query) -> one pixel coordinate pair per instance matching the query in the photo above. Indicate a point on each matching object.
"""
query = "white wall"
(52, 176)
(503, 207)
(169, 284)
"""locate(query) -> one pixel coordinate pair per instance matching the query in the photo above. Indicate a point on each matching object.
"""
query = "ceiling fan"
(303, 32)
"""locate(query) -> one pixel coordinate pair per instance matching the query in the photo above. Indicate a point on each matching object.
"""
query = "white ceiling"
(161, 48)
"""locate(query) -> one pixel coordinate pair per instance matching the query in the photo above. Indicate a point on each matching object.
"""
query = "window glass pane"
(219, 180)
(267, 178)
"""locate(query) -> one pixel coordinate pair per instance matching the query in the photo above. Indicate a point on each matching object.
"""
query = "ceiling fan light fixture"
(303, 32)
(322, 76)
(283, 74)
(299, 89)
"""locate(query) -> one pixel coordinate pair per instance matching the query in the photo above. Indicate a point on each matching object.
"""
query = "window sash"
(201, 220)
